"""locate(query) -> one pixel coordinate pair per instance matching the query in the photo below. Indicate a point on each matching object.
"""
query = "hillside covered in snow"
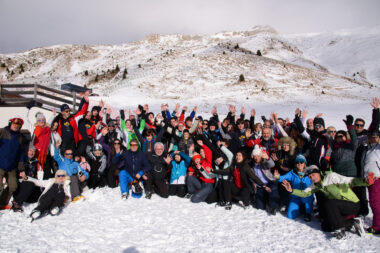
(307, 68)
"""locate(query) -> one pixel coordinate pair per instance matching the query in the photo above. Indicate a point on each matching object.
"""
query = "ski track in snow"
(105, 223)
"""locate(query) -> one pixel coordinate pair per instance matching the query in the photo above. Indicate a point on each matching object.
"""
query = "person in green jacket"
(339, 200)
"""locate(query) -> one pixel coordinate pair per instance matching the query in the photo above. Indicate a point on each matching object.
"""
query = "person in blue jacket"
(12, 156)
(77, 175)
(136, 164)
(298, 181)
(178, 168)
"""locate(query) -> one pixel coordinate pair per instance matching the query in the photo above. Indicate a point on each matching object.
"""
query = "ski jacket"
(371, 160)
(41, 142)
(297, 182)
(73, 121)
(159, 168)
(47, 184)
(134, 162)
(179, 170)
(343, 156)
(69, 165)
(334, 186)
(205, 172)
(11, 150)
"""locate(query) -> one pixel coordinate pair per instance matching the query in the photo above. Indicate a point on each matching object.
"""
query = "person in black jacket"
(157, 176)
(27, 191)
(238, 184)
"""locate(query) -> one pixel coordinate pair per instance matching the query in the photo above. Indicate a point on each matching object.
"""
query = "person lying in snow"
(52, 198)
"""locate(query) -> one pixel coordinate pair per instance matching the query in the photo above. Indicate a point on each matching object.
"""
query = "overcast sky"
(26, 24)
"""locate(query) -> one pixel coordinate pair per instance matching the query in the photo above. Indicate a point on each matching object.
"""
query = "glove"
(349, 120)
(31, 104)
(133, 122)
(324, 164)
(99, 176)
(263, 118)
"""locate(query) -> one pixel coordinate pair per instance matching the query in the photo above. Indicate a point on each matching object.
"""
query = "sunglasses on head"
(68, 153)
(60, 175)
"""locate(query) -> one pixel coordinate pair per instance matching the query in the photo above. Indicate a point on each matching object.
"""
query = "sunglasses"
(205, 124)
(134, 145)
(339, 136)
(300, 162)
(41, 120)
(317, 126)
(68, 153)
(116, 143)
(359, 125)
(60, 175)
(331, 132)
(16, 123)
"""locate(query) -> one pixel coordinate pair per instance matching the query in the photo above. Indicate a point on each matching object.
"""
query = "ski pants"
(50, 200)
(6, 194)
(374, 202)
(337, 210)
(125, 179)
(177, 189)
(160, 186)
(273, 197)
(296, 203)
(200, 189)
(27, 192)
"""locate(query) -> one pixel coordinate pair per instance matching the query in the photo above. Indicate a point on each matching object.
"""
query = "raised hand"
(213, 111)
(274, 157)
(200, 142)
(375, 103)
(287, 186)
(349, 120)
(243, 110)
(304, 113)
(253, 112)
(101, 103)
(319, 115)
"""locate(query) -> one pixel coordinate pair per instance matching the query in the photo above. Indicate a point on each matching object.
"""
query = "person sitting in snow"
(27, 191)
(56, 190)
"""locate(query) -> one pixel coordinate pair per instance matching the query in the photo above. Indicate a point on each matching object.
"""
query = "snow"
(105, 223)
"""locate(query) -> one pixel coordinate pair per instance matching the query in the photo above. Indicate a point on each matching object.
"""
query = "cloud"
(27, 24)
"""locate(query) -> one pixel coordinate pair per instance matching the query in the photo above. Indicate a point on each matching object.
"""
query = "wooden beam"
(39, 93)
(61, 92)
(23, 92)
(17, 85)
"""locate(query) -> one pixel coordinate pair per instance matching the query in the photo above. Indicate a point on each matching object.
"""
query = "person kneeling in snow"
(53, 197)
(299, 181)
(73, 170)
(339, 200)
(136, 165)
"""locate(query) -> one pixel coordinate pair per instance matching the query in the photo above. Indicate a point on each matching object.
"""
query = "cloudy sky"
(26, 24)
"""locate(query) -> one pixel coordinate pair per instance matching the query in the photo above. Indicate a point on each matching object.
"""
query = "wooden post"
(35, 92)
(74, 100)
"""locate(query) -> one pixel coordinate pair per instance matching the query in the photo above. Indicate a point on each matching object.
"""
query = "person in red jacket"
(266, 141)
(68, 124)
(200, 178)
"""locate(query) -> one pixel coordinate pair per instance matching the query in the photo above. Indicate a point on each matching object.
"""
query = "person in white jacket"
(371, 166)
(56, 190)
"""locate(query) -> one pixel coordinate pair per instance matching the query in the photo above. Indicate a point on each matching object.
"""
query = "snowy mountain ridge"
(293, 68)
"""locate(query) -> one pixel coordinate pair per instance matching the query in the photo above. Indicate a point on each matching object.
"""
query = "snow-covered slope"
(105, 223)
(205, 69)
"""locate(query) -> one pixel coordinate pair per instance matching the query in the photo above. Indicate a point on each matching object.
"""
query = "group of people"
(273, 164)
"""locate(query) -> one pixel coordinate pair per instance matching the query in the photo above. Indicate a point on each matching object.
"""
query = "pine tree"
(259, 53)
(241, 78)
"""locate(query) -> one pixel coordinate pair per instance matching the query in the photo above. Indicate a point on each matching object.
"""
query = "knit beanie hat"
(40, 116)
(300, 158)
(311, 169)
(64, 107)
(319, 121)
(196, 156)
(256, 151)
